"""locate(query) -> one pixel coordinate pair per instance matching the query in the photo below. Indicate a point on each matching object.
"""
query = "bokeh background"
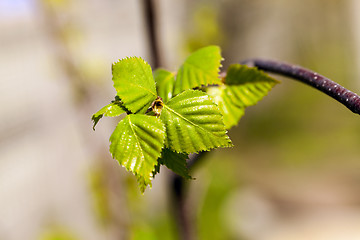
(294, 172)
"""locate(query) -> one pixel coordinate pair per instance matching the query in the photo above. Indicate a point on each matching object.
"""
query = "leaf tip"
(96, 118)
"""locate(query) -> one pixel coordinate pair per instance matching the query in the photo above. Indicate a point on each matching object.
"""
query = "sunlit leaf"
(164, 83)
(244, 87)
(193, 123)
(134, 83)
(175, 162)
(231, 113)
(200, 68)
(136, 143)
(114, 109)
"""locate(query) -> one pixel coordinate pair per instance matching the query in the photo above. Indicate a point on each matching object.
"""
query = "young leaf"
(164, 83)
(143, 182)
(175, 162)
(200, 68)
(136, 143)
(134, 83)
(193, 123)
(114, 109)
(231, 112)
(244, 87)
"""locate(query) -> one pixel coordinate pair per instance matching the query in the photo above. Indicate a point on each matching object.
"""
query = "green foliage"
(164, 83)
(134, 83)
(200, 69)
(193, 123)
(136, 143)
(166, 122)
(114, 109)
(175, 162)
(242, 87)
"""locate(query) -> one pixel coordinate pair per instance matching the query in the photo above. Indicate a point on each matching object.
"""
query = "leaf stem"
(321, 83)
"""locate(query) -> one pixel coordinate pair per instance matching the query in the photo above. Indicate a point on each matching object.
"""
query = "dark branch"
(323, 84)
(150, 21)
(180, 206)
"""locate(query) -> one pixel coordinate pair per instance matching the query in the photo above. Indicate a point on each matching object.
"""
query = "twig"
(150, 21)
(323, 84)
(180, 206)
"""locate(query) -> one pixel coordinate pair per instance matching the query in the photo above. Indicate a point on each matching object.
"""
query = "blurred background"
(294, 172)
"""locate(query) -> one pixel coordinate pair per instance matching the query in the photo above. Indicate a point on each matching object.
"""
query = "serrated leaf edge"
(131, 168)
(230, 144)
(138, 59)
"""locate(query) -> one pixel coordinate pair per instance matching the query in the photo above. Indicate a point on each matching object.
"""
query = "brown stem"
(179, 206)
(321, 83)
(182, 214)
(150, 21)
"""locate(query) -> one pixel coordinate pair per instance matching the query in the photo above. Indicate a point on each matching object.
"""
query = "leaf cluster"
(168, 116)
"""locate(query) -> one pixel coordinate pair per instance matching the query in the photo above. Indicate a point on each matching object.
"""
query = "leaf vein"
(187, 120)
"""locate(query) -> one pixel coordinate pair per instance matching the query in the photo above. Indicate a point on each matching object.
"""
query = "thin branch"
(150, 21)
(180, 206)
(321, 83)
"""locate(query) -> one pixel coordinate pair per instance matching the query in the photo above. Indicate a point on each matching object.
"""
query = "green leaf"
(136, 143)
(175, 162)
(244, 87)
(114, 109)
(231, 112)
(164, 83)
(193, 123)
(134, 83)
(200, 68)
